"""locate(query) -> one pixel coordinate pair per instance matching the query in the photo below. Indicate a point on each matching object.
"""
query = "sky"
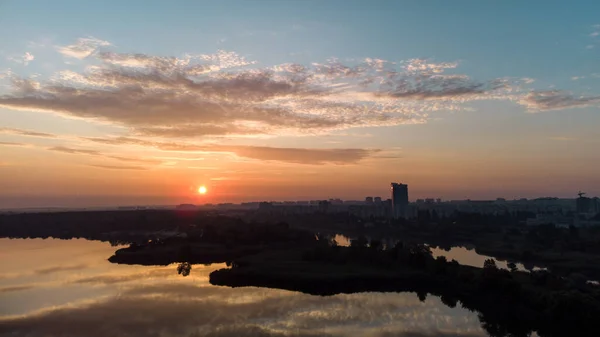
(142, 102)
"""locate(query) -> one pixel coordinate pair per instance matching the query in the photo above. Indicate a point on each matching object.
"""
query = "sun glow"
(202, 190)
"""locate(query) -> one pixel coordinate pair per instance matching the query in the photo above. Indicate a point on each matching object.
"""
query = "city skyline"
(260, 100)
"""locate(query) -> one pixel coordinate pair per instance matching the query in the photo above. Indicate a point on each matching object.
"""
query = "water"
(463, 255)
(470, 257)
(68, 288)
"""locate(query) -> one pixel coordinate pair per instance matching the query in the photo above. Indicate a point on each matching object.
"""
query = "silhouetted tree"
(360, 242)
(184, 269)
(375, 244)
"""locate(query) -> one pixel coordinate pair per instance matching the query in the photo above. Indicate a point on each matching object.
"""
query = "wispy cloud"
(74, 151)
(24, 59)
(117, 167)
(12, 144)
(11, 289)
(225, 94)
(83, 48)
(57, 269)
(556, 99)
(309, 156)
(594, 35)
(22, 132)
(107, 279)
(70, 150)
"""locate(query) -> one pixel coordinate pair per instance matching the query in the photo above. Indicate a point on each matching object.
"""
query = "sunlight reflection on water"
(462, 255)
(58, 287)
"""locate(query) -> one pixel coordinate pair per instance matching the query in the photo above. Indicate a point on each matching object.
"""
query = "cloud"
(309, 156)
(187, 310)
(212, 62)
(56, 269)
(11, 289)
(108, 279)
(300, 156)
(83, 48)
(22, 132)
(423, 66)
(12, 144)
(24, 59)
(223, 94)
(455, 88)
(117, 167)
(134, 160)
(197, 130)
(43, 271)
(589, 46)
(556, 100)
(69, 150)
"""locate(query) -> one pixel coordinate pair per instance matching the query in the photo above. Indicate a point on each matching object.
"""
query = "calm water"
(68, 288)
(463, 255)
(468, 257)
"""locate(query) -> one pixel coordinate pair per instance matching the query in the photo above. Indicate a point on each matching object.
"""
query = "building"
(399, 199)
(368, 200)
(584, 204)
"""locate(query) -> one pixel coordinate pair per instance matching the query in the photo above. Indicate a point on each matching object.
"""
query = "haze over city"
(284, 100)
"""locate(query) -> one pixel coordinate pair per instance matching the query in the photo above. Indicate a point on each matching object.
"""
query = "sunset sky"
(143, 102)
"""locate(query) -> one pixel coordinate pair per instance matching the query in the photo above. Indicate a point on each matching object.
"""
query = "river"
(68, 288)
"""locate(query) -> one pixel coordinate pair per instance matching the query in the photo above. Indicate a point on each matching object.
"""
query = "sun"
(202, 190)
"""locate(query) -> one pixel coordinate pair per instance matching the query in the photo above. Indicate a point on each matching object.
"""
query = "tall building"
(368, 200)
(399, 199)
(584, 204)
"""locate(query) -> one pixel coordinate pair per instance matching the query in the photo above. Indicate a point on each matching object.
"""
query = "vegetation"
(213, 244)
(271, 253)
(510, 303)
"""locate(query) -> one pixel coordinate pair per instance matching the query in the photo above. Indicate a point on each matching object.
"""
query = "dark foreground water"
(68, 288)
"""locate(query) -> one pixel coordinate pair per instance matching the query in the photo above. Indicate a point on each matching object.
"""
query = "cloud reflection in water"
(112, 300)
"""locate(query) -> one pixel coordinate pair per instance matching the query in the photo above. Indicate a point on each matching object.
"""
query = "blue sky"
(509, 88)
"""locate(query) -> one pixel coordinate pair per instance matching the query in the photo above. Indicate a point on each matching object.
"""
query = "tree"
(184, 268)
(361, 241)
(375, 244)
(489, 264)
(490, 270)
(441, 264)
(512, 266)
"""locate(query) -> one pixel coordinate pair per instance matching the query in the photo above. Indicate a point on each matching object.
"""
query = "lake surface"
(463, 255)
(68, 288)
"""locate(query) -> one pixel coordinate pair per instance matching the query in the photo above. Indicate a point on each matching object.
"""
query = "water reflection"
(464, 255)
(184, 269)
(79, 293)
(470, 257)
